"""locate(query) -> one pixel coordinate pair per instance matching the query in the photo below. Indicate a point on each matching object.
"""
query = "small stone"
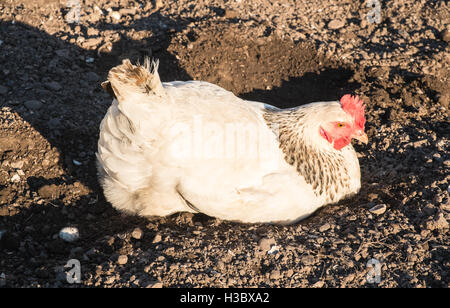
(49, 191)
(92, 32)
(93, 77)
(273, 250)
(318, 284)
(53, 123)
(155, 285)
(445, 35)
(275, 274)
(15, 178)
(137, 233)
(336, 24)
(429, 209)
(378, 209)
(160, 258)
(69, 234)
(64, 53)
(439, 222)
(110, 280)
(53, 85)
(324, 227)
(1, 233)
(17, 164)
(129, 11)
(33, 104)
(3, 90)
(157, 238)
(123, 259)
(265, 243)
(92, 42)
(159, 4)
(231, 14)
(115, 15)
(308, 260)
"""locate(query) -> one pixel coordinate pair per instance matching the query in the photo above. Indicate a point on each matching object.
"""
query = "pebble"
(115, 15)
(91, 76)
(53, 123)
(49, 191)
(110, 280)
(137, 233)
(155, 285)
(273, 250)
(336, 24)
(123, 259)
(15, 178)
(378, 209)
(446, 35)
(17, 164)
(318, 284)
(157, 238)
(308, 260)
(324, 227)
(33, 104)
(69, 234)
(3, 90)
(275, 274)
(92, 32)
(438, 222)
(231, 14)
(1, 233)
(266, 243)
(53, 85)
(92, 42)
(125, 11)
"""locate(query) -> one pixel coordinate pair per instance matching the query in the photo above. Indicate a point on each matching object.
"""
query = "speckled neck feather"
(324, 170)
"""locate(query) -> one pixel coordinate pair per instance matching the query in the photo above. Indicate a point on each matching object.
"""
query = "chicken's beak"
(362, 138)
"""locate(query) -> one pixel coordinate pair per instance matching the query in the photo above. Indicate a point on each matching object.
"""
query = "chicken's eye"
(340, 125)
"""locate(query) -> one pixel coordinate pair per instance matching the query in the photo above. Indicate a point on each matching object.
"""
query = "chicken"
(193, 146)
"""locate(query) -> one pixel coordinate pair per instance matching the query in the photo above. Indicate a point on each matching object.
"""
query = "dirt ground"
(286, 53)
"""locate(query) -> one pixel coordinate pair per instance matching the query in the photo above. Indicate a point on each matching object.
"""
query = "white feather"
(191, 150)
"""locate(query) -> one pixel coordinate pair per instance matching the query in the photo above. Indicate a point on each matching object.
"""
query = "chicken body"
(193, 146)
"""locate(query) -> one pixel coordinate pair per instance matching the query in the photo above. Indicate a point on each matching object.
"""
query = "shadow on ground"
(67, 114)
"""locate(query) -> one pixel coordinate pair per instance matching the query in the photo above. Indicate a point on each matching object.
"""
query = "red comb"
(354, 107)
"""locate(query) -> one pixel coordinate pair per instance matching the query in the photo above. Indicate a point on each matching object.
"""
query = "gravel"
(3, 90)
(378, 209)
(137, 233)
(33, 104)
(69, 234)
(265, 244)
(122, 260)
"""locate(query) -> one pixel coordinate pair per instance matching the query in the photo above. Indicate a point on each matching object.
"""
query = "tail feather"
(126, 78)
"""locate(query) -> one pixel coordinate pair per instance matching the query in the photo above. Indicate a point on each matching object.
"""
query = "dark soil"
(282, 52)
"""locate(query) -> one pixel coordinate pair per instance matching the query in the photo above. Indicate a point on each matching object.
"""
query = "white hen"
(193, 146)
